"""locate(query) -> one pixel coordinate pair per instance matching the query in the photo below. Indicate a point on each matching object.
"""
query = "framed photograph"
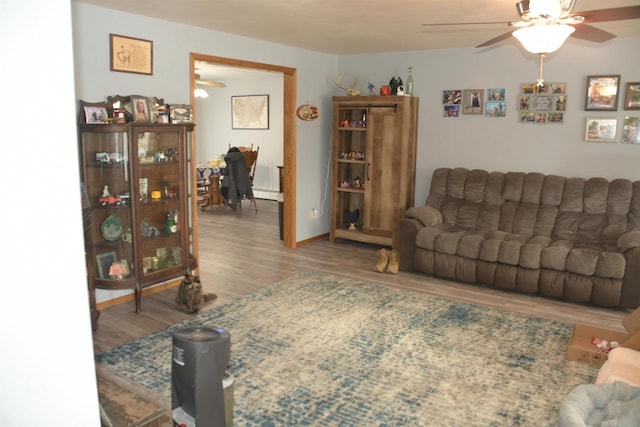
(631, 130)
(451, 96)
(601, 129)
(180, 113)
(496, 94)
(104, 262)
(632, 97)
(602, 93)
(140, 109)
(495, 109)
(542, 104)
(472, 101)
(131, 55)
(95, 115)
(451, 111)
(250, 112)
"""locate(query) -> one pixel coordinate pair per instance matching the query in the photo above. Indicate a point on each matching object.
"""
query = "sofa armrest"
(629, 240)
(425, 214)
(407, 230)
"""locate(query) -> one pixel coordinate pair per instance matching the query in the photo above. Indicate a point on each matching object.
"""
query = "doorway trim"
(289, 130)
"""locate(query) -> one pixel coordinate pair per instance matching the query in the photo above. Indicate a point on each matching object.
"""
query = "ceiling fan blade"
(207, 83)
(613, 14)
(592, 34)
(445, 24)
(496, 39)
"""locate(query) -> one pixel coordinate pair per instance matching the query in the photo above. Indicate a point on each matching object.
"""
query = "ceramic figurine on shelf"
(372, 89)
(351, 218)
(394, 83)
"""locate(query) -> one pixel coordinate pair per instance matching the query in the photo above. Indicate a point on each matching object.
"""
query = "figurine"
(351, 219)
(372, 89)
(394, 83)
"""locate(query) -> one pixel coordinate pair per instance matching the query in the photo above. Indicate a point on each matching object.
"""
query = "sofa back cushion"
(594, 210)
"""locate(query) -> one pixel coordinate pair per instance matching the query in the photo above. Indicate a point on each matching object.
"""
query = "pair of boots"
(387, 261)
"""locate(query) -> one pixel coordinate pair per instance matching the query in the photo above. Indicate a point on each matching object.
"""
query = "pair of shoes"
(387, 261)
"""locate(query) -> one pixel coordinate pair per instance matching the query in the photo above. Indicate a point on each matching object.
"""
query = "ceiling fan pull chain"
(540, 79)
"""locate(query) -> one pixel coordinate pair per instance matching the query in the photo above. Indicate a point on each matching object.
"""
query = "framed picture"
(95, 115)
(496, 94)
(119, 269)
(631, 130)
(104, 262)
(181, 113)
(495, 109)
(542, 104)
(131, 55)
(632, 97)
(601, 129)
(140, 109)
(451, 111)
(472, 101)
(602, 93)
(250, 112)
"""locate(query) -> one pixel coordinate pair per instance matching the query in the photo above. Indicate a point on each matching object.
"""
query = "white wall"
(47, 371)
(171, 80)
(213, 120)
(505, 144)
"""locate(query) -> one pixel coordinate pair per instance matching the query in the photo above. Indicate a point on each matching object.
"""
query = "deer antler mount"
(351, 91)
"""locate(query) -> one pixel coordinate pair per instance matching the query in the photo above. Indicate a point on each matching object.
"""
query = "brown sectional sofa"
(571, 238)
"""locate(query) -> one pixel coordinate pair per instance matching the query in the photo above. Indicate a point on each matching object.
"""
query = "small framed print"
(496, 94)
(131, 55)
(472, 101)
(602, 93)
(181, 113)
(140, 107)
(495, 109)
(451, 111)
(96, 115)
(632, 96)
(631, 130)
(601, 129)
(104, 262)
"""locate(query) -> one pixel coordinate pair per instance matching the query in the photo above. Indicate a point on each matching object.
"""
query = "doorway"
(289, 130)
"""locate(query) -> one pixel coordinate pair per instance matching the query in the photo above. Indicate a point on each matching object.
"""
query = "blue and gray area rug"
(323, 350)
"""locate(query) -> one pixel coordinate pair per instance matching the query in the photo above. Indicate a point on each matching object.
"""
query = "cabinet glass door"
(105, 162)
(161, 202)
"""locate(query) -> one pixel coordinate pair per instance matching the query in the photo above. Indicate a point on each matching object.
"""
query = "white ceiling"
(354, 27)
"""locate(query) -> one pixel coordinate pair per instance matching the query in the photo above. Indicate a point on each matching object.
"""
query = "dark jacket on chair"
(236, 182)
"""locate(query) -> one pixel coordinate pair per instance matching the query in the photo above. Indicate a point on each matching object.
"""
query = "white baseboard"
(265, 194)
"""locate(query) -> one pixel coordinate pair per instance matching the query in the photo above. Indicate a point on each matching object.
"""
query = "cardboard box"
(581, 349)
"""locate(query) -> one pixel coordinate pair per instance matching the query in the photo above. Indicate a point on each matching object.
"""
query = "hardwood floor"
(240, 252)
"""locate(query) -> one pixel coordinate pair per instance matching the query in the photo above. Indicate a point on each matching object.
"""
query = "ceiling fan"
(538, 13)
(198, 92)
(199, 81)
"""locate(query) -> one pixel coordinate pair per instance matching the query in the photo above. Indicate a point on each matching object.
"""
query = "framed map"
(250, 112)
(131, 55)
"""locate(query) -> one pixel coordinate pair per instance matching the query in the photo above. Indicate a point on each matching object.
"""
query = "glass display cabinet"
(137, 180)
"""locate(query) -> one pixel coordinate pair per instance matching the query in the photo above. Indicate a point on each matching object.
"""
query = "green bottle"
(409, 87)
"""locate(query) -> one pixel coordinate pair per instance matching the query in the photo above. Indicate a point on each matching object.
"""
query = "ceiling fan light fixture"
(198, 92)
(543, 38)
